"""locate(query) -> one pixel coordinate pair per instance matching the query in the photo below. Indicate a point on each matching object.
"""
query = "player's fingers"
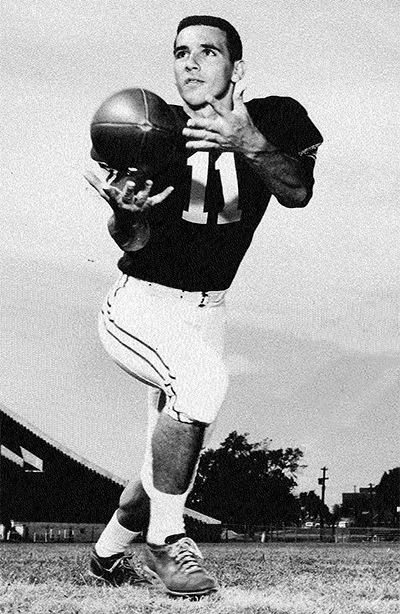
(158, 198)
(112, 191)
(128, 192)
(141, 198)
(113, 194)
(202, 145)
(143, 194)
(92, 178)
(95, 182)
(202, 135)
(106, 191)
(200, 123)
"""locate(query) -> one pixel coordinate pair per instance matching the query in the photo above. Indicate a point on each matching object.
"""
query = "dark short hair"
(233, 41)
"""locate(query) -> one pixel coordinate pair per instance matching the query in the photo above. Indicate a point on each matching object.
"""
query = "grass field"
(254, 578)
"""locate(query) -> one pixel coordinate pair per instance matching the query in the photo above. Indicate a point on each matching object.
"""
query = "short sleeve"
(301, 135)
(286, 124)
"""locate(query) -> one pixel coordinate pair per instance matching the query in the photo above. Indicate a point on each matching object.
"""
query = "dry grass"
(254, 578)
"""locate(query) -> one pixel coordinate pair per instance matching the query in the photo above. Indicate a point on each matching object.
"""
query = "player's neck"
(206, 110)
(203, 111)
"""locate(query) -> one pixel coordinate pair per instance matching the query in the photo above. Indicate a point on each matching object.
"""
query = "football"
(134, 128)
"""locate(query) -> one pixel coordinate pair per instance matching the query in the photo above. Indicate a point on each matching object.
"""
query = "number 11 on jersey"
(225, 164)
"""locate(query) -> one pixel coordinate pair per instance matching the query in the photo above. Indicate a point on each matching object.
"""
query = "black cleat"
(115, 570)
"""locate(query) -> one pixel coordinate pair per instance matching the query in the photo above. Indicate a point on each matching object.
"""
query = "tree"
(337, 513)
(311, 507)
(247, 484)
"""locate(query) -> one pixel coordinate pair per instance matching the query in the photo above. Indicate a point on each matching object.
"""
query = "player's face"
(202, 65)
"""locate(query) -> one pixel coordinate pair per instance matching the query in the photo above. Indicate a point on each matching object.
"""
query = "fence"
(67, 532)
(313, 534)
(368, 534)
(52, 532)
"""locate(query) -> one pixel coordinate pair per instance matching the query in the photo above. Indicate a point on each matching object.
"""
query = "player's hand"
(124, 196)
(225, 130)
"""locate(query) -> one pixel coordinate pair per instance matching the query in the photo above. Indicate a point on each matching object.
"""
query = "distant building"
(360, 506)
(49, 492)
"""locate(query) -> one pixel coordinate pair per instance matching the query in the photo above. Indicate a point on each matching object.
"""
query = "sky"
(313, 340)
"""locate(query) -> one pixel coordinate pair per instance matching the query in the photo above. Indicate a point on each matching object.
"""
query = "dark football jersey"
(201, 232)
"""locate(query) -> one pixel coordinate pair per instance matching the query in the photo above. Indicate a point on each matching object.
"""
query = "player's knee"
(133, 496)
(134, 507)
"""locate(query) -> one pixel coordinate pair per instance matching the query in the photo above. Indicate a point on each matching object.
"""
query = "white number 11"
(226, 166)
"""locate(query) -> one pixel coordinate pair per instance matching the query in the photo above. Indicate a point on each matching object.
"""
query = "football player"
(163, 321)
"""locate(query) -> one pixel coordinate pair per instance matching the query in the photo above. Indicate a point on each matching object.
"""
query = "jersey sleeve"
(302, 137)
(285, 123)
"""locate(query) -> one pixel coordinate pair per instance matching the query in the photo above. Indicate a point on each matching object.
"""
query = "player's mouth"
(193, 81)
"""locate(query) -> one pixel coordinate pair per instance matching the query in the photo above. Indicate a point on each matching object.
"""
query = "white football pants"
(171, 340)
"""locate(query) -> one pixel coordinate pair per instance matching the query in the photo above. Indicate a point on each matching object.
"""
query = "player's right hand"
(122, 196)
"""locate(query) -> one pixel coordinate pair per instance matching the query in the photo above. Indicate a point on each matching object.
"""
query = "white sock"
(115, 538)
(166, 516)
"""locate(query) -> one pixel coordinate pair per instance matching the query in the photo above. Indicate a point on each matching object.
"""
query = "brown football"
(134, 128)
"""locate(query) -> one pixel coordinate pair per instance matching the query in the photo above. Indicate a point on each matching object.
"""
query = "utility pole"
(321, 482)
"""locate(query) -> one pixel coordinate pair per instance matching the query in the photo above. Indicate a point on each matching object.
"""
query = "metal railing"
(310, 534)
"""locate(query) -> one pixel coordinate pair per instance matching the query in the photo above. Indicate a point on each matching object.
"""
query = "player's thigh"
(126, 330)
(201, 377)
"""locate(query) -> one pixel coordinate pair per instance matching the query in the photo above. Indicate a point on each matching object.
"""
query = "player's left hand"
(224, 130)
(124, 195)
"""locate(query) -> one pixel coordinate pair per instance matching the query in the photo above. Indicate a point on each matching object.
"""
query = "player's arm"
(289, 179)
(128, 225)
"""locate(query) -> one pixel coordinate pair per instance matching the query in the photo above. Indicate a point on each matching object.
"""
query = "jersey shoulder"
(279, 106)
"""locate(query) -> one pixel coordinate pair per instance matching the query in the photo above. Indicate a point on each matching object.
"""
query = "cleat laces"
(186, 554)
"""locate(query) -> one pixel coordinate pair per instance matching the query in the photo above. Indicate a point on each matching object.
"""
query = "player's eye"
(209, 52)
(180, 53)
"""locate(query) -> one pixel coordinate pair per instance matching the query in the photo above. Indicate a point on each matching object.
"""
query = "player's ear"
(239, 69)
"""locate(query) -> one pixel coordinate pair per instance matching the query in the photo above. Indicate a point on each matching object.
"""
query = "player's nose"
(192, 61)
